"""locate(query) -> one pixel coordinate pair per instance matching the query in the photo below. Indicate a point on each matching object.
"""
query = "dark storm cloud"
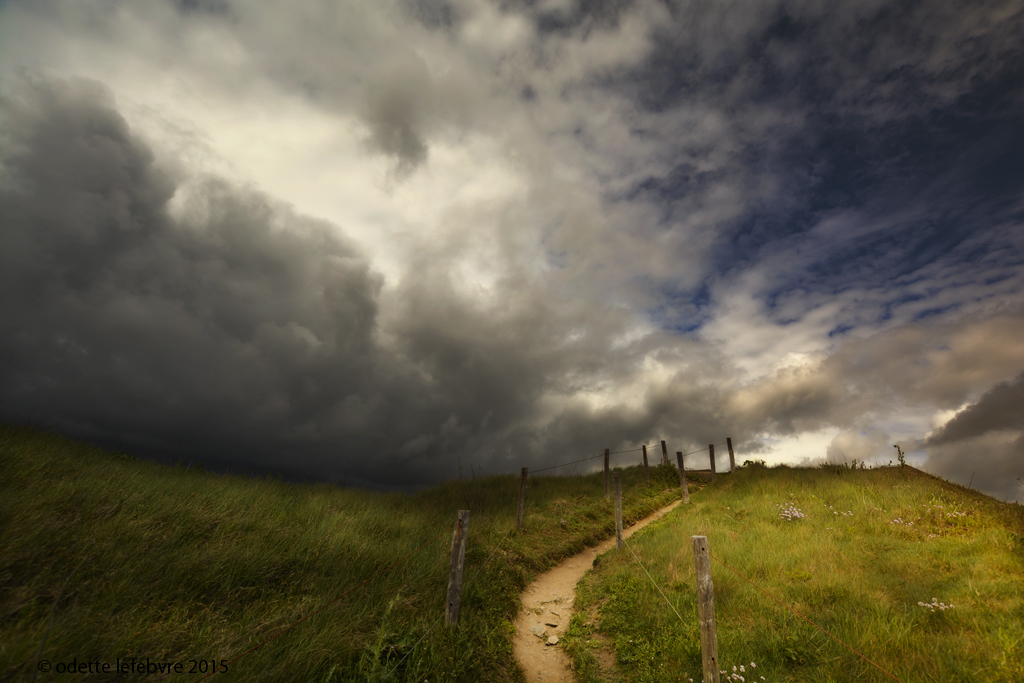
(434, 14)
(617, 220)
(984, 443)
(998, 409)
(565, 16)
(398, 103)
(212, 7)
(237, 322)
(223, 327)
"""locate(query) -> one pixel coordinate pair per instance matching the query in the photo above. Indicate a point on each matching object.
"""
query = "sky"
(388, 243)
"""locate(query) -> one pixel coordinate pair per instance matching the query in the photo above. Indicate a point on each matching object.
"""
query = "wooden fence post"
(451, 614)
(682, 477)
(522, 499)
(711, 451)
(618, 509)
(706, 608)
(664, 453)
(606, 473)
(732, 456)
(647, 472)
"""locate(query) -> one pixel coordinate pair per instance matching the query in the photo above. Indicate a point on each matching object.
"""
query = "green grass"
(131, 559)
(858, 575)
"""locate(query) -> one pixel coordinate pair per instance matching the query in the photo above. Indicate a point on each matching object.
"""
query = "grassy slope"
(133, 559)
(858, 575)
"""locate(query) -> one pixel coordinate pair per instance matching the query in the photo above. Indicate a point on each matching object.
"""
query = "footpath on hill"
(547, 609)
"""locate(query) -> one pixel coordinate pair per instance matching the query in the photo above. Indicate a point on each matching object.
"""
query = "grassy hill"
(923, 577)
(106, 558)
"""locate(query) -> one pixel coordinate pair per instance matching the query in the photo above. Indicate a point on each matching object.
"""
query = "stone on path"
(538, 631)
(553, 640)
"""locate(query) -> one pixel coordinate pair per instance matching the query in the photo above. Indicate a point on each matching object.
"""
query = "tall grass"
(865, 561)
(105, 557)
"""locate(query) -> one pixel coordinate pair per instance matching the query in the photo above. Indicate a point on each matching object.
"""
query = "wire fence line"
(636, 559)
(702, 449)
(475, 578)
(601, 455)
(564, 464)
(479, 572)
(575, 462)
(667, 601)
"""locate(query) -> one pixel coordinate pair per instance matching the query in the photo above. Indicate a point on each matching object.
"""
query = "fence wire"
(653, 581)
(593, 457)
(478, 573)
(564, 464)
(797, 614)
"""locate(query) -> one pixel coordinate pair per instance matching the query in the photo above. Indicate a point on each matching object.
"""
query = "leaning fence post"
(618, 510)
(706, 608)
(451, 614)
(682, 477)
(664, 453)
(647, 472)
(606, 473)
(711, 450)
(732, 456)
(522, 499)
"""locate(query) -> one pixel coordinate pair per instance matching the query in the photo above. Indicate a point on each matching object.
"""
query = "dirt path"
(547, 608)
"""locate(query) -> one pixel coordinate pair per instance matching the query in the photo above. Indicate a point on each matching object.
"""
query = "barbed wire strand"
(763, 591)
(653, 581)
(408, 555)
(422, 638)
(330, 604)
(573, 462)
(891, 675)
(593, 457)
(705, 448)
(479, 573)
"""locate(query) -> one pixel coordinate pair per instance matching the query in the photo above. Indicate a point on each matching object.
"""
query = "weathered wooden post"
(522, 499)
(451, 614)
(664, 453)
(618, 509)
(682, 477)
(732, 456)
(711, 450)
(647, 472)
(606, 473)
(706, 608)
